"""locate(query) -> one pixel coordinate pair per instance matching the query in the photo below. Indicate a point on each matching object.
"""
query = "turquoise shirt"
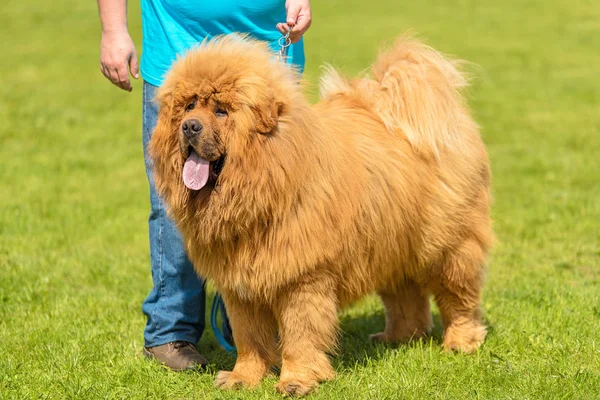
(171, 27)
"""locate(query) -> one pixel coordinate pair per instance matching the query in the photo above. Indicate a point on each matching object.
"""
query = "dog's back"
(421, 147)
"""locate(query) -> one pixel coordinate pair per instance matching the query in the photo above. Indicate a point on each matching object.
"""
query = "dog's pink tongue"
(195, 172)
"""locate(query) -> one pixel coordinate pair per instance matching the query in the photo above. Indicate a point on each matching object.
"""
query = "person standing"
(175, 307)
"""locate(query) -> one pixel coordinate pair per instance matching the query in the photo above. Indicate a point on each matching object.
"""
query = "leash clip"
(284, 46)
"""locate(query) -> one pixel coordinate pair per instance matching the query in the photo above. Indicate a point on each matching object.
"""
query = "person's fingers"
(117, 79)
(113, 76)
(104, 71)
(282, 28)
(123, 78)
(303, 22)
(292, 13)
(295, 36)
(134, 67)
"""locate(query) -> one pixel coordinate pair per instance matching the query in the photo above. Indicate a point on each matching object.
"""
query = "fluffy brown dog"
(294, 211)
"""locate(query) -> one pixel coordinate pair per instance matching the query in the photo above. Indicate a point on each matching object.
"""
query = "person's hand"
(298, 18)
(118, 58)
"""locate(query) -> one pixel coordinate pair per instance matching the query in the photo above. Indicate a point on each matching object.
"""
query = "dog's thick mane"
(268, 175)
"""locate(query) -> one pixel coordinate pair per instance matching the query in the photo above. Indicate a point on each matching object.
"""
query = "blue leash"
(214, 312)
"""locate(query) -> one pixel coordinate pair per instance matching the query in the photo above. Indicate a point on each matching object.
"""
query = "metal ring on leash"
(284, 43)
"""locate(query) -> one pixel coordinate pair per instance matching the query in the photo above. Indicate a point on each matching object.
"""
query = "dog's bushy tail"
(416, 90)
(420, 94)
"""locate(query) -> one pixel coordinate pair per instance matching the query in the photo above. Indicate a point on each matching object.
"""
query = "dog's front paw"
(233, 380)
(296, 387)
(466, 339)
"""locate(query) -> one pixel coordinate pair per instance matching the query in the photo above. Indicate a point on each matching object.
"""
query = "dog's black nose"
(191, 128)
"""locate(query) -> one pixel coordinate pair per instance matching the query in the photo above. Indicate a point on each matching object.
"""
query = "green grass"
(74, 265)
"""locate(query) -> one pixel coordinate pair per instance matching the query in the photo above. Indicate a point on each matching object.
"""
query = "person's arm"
(117, 51)
(298, 17)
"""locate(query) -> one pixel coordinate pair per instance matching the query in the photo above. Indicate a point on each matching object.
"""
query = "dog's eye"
(191, 106)
(220, 112)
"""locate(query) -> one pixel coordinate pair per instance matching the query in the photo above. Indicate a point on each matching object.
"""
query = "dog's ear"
(164, 130)
(164, 145)
(267, 115)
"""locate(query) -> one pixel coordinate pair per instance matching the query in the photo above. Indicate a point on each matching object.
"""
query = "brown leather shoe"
(178, 356)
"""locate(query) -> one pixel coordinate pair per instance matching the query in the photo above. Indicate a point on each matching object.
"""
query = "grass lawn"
(74, 265)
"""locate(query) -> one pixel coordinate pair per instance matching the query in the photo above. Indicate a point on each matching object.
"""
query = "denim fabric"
(175, 307)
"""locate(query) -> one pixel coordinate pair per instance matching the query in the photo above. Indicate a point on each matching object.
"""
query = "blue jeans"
(175, 306)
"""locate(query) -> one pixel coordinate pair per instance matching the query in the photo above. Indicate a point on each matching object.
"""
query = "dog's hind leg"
(307, 316)
(407, 314)
(254, 331)
(457, 293)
